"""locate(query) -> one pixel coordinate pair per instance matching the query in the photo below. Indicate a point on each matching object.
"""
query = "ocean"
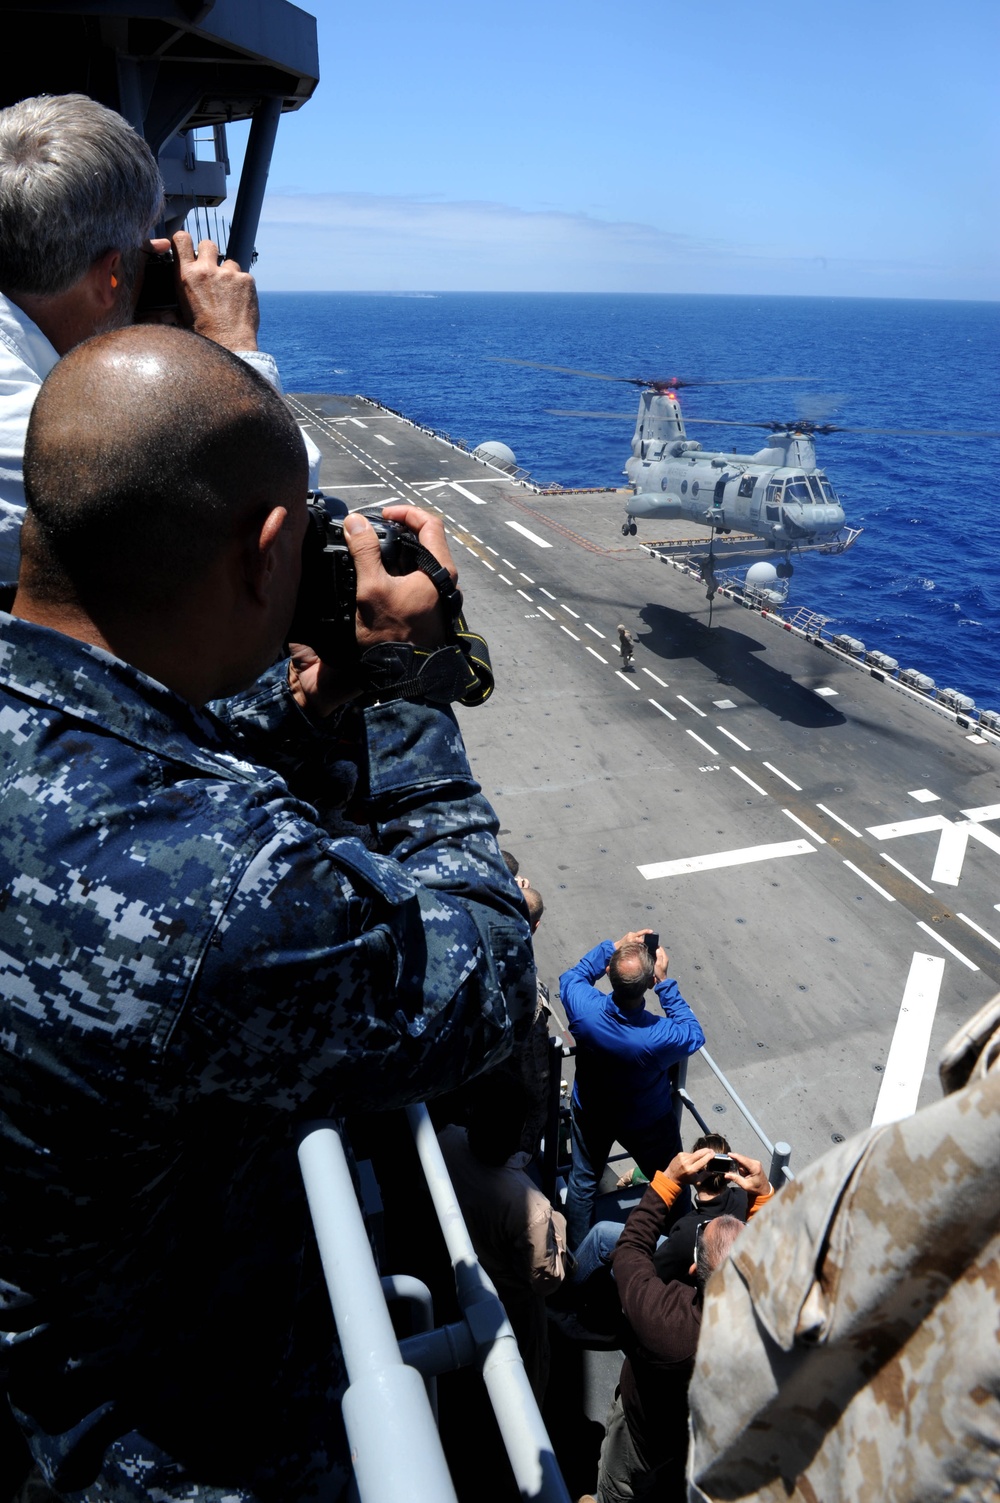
(921, 583)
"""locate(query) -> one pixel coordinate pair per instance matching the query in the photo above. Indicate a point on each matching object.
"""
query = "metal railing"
(391, 1382)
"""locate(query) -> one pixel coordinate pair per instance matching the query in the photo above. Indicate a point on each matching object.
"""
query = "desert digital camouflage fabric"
(849, 1347)
(190, 966)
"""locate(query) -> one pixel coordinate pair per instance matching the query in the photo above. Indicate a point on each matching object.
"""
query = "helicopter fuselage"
(777, 494)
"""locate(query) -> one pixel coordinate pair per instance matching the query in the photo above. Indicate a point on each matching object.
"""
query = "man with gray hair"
(623, 1055)
(80, 195)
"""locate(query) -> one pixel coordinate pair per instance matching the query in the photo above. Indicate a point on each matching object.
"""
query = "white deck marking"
(908, 827)
(505, 579)
(826, 692)
(724, 704)
(904, 1067)
(940, 940)
(574, 614)
(357, 422)
(779, 774)
(803, 826)
(488, 565)
(656, 680)
(546, 593)
(432, 485)
(595, 654)
(849, 828)
(900, 868)
(924, 796)
(976, 740)
(726, 858)
(703, 743)
(568, 632)
(871, 882)
(467, 494)
(692, 707)
(473, 536)
(508, 563)
(978, 816)
(739, 743)
(662, 710)
(383, 440)
(623, 677)
(531, 536)
(546, 613)
(983, 932)
(456, 522)
(756, 786)
(492, 550)
(523, 575)
(598, 633)
(363, 485)
(526, 596)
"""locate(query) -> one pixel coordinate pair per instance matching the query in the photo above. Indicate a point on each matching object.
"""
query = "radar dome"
(763, 575)
(496, 453)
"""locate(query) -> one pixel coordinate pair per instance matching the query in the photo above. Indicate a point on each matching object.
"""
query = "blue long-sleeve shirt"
(622, 1058)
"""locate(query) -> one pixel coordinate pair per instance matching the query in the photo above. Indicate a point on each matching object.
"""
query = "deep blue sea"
(921, 583)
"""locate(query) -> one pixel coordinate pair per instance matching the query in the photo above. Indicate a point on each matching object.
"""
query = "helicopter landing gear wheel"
(784, 570)
(624, 529)
(633, 529)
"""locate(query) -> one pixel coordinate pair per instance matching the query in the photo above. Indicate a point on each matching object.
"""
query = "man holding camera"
(193, 966)
(80, 194)
(623, 1054)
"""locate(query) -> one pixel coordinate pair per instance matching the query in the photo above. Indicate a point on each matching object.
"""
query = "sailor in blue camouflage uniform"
(191, 963)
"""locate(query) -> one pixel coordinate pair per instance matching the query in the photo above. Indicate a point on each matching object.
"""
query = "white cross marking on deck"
(688, 864)
(904, 1068)
(357, 422)
(531, 536)
(954, 838)
(467, 494)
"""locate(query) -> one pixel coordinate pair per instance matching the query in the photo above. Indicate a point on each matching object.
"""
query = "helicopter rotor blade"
(667, 383)
(913, 432)
(804, 427)
(565, 370)
(568, 412)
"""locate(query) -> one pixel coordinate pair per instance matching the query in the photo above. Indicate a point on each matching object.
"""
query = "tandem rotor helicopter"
(777, 495)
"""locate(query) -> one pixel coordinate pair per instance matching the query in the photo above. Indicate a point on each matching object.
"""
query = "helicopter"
(777, 495)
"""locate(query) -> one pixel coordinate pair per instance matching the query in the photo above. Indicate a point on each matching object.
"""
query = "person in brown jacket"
(645, 1445)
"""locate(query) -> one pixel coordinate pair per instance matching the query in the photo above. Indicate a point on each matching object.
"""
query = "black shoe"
(574, 1330)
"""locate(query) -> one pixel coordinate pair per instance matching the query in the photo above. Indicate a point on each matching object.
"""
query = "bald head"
(631, 971)
(146, 451)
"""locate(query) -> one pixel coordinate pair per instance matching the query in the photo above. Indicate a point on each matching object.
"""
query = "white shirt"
(26, 357)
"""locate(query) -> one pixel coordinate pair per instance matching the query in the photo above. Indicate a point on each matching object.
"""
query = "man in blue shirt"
(623, 1053)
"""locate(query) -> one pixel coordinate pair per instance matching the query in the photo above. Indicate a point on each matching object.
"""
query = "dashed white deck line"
(803, 826)
(546, 593)
(649, 672)
(623, 676)
(719, 859)
(527, 533)
(362, 485)
(940, 940)
(357, 422)
(595, 631)
(488, 565)
(908, 874)
(692, 707)
(505, 579)
(383, 440)
(703, 743)
(525, 576)
(478, 540)
(526, 596)
(546, 613)
(508, 563)
(783, 776)
(907, 1058)
(574, 614)
(924, 796)
(469, 496)
(990, 939)
(826, 692)
(568, 632)
(662, 711)
(739, 743)
(595, 654)
(493, 551)
(755, 786)
(849, 828)
(456, 523)
(871, 882)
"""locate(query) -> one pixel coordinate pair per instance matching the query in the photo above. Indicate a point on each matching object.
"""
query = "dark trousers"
(652, 1147)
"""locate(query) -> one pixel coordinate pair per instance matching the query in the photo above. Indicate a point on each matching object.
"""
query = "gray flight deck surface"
(720, 743)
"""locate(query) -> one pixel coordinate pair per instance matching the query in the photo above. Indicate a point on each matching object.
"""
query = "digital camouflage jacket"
(190, 966)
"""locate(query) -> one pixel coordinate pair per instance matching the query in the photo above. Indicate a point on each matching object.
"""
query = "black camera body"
(722, 1164)
(327, 600)
(158, 293)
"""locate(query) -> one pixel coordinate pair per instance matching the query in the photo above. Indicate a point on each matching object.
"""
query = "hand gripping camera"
(325, 618)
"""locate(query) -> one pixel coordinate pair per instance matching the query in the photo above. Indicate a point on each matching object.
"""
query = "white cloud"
(366, 242)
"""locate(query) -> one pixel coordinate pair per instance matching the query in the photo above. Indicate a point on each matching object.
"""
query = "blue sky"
(754, 146)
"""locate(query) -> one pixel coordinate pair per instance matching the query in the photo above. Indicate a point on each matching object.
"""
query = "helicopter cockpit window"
(829, 494)
(798, 490)
(747, 485)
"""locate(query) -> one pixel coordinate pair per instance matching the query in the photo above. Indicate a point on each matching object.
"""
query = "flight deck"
(818, 848)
